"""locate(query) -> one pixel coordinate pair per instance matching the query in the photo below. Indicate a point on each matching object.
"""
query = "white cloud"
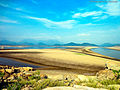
(113, 9)
(18, 9)
(91, 24)
(49, 23)
(95, 17)
(4, 5)
(33, 1)
(83, 34)
(8, 21)
(76, 15)
(11, 7)
(100, 17)
(86, 14)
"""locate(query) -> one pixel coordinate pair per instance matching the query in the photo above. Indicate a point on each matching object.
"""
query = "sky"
(64, 20)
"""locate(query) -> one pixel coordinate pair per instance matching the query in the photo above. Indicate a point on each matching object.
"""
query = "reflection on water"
(107, 52)
(7, 61)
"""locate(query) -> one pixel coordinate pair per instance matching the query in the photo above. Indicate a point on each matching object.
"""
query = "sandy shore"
(60, 58)
(114, 48)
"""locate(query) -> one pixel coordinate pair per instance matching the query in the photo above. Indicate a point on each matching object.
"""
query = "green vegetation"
(14, 86)
(36, 85)
(47, 83)
(117, 73)
(37, 81)
(1, 74)
(95, 83)
(79, 53)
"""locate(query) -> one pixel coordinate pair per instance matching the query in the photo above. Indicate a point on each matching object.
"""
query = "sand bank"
(114, 48)
(63, 58)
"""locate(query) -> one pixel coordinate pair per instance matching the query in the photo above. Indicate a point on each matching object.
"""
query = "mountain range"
(30, 42)
(51, 42)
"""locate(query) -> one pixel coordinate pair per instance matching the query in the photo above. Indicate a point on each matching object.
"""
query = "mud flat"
(114, 48)
(62, 59)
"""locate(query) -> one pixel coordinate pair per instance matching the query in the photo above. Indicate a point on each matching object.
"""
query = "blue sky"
(64, 20)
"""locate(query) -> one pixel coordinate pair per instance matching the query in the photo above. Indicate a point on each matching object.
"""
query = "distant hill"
(58, 44)
(41, 43)
(71, 44)
(7, 42)
(25, 43)
(88, 44)
(50, 42)
(30, 42)
(117, 44)
(77, 44)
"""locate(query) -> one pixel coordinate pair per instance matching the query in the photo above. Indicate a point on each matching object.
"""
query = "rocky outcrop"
(112, 66)
(105, 75)
(51, 81)
(111, 72)
(11, 72)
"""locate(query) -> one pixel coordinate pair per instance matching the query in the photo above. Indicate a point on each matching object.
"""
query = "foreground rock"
(112, 65)
(10, 72)
(106, 75)
(25, 78)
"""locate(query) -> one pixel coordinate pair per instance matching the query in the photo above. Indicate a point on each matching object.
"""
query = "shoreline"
(49, 69)
(114, 48)
(43, 58)
(88, 51)
(70, 66)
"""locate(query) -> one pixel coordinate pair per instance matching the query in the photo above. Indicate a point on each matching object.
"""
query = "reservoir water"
(36, 47)
(7, 61)
(107, 52)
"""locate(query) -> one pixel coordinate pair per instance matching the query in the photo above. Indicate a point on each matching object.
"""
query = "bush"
(117, 73)
(34, 77)
(1, 74)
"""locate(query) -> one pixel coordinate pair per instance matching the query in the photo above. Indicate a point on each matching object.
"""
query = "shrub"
(117, 73)
(1, 74)
(34, 77)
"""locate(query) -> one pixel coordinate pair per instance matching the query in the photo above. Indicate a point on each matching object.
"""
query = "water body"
(107, 52)
(7, 61)
(36, 47)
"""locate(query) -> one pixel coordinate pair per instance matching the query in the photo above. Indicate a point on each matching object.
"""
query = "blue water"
(107, 52)
(10, 62)
(36, 47)
(6, 61)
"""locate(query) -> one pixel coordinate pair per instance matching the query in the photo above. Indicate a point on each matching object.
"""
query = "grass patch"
(38, 83)
(47, 83)
(15, 86)
(35, 81)
(80, 54)
(101, 84)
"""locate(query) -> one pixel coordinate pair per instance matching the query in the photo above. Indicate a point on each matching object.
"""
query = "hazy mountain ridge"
(30, 42)
(52, 42)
